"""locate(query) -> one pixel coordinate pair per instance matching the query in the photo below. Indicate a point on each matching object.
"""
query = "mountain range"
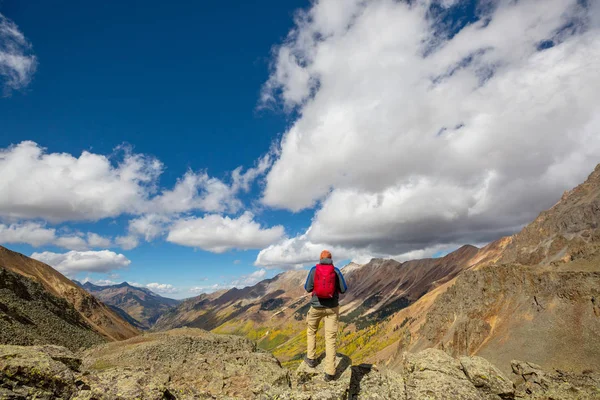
(140, 306)
(532, 296)
(497, 301)
(29, 286)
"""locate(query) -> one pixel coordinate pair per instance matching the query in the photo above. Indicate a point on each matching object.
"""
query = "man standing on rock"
(325, 282)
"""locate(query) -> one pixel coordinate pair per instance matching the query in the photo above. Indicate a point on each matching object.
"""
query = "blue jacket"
(340, 286)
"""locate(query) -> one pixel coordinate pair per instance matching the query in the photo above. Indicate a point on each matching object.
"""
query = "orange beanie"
(325, 254)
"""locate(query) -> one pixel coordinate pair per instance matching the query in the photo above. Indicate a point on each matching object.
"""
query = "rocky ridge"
(194, 364)
(545, 284)
(96, 314)
(30, 315)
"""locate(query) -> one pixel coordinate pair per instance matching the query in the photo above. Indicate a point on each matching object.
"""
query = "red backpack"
(325, 280)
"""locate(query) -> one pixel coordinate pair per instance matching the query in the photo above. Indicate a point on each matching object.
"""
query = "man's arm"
(341, 281)
(310, 280)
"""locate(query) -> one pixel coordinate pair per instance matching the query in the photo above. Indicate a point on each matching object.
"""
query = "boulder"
(359, 382)
(486, 377)
(535, 384)
(30, 372)
(185, 363)
(434, 375)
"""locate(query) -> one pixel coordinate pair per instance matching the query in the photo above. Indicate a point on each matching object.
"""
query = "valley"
(533, 296)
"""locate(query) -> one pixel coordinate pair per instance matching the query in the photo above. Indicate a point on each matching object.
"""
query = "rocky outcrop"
(566, 232)
(533, 383)
(434, 375)
(37, 372)
(505, 312)
(194, 364)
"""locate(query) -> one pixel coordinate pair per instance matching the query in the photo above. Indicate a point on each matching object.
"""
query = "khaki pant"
(331, 317)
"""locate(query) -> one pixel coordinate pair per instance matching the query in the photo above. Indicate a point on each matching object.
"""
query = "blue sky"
(180, 83)
(375, 129)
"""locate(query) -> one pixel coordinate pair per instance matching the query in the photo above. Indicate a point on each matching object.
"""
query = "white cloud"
(99, 282)
(250, 279)
(163, 288)
(74, 262)
(31, 233)
(71, 242)
(149, 226)
(60, 187)
(37, 234)
(196, 191)
(17, 63)
(239, 282)
(95, 240)
(209, 288)
(300, 251)
(408, 138)
(127, 242)
(243, 180)
(218, 234)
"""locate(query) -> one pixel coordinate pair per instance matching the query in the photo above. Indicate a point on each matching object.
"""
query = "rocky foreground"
(195, 364)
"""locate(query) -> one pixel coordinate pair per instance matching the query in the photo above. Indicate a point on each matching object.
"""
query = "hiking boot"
(329, 378)
(310, 362)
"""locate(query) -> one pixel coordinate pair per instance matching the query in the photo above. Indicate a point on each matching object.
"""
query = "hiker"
(326, 283)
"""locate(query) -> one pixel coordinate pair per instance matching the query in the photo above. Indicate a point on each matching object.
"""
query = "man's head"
(326, 254)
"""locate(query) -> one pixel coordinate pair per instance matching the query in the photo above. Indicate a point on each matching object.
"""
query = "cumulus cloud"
(415, 133)
(127, 242)
(250, 279)
(74, 262)
(209, 288)
(71, 242)
(17, 63)
(37, 234)
(163, 288)
(31, 233)
(300, 251)
(218, 233)
(149, 226)
(60, 187)
(238, 282)
(96, 241)
(196, 191)
(242, 180)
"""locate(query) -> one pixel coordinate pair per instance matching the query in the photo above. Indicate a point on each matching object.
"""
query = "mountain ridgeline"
(140, 306)
(29, 287)
(439, 328)
(497, 301)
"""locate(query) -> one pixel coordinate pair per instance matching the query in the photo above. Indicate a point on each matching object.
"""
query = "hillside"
(272, 312)
(496, 301)
(95, 313)
(539, 301)
(30, 315)
(142, 305)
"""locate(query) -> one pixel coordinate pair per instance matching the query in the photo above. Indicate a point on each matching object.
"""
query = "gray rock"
(27, 372)
(434, 375)
(487, 378)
